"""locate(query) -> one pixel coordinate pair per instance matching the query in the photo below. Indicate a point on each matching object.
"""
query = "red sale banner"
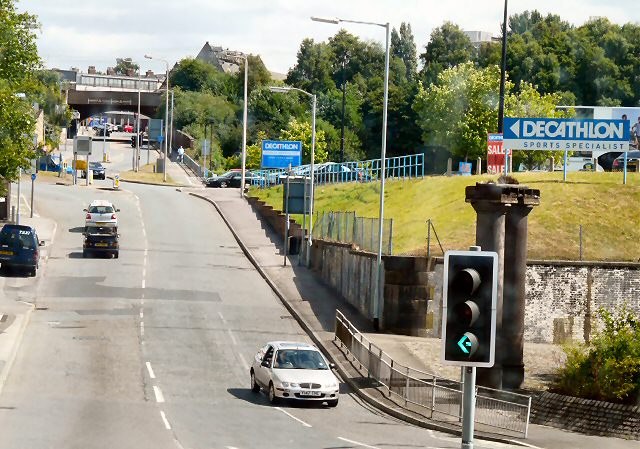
(495, 154)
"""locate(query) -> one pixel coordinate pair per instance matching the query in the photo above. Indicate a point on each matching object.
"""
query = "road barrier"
(498, 409)
(347, 227)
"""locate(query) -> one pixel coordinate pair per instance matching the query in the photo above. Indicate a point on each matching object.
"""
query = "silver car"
(290, 370)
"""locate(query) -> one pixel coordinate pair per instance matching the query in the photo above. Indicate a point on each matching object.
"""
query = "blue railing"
(401, 167)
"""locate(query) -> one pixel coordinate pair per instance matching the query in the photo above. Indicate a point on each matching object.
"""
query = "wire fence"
(347, 227)
(399, 167)
(499, 409)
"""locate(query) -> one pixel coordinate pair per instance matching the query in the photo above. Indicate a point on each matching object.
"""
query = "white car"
(101, 213)
(289, 370)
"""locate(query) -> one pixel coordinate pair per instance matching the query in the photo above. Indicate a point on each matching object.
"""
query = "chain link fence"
(347, 227)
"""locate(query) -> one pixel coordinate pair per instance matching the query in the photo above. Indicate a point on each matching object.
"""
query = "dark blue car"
(20, 248)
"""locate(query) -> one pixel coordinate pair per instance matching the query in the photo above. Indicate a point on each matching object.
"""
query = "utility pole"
(344, 102)
(503, 75)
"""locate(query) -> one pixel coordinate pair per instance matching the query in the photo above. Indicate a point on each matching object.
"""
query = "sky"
(79, 34)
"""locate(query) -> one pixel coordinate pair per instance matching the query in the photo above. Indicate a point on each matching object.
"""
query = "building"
(479, 37)
(226, 61)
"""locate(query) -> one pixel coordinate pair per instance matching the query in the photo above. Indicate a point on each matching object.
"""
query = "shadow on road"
(75, 255)
(13, 272)
(261, 399)
(77, 229)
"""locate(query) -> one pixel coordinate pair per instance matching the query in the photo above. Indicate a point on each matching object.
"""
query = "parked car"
(99, 172)
(127, 128)
(633, 162)
(101, 213)
(230, 179)
(101, 240)
(99, 129)
(298, 371)
(20, 247)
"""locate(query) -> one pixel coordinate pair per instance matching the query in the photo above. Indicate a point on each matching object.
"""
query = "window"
(101, 210)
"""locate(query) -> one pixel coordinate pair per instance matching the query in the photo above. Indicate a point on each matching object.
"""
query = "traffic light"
(469, 294)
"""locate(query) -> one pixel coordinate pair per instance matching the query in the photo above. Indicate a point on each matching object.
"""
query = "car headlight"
(332, 385)
(294, 385)
(285, 384)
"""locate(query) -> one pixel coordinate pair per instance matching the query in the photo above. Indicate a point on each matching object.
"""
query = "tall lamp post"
(244, 126)
(503, 78)
(377, 306)
(166, 114)
(285, 89)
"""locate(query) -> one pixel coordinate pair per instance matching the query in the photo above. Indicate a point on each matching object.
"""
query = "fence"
(347, 227)
(498, 409)
(402, 167)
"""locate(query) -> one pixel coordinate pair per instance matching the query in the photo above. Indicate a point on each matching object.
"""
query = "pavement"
(314, 305)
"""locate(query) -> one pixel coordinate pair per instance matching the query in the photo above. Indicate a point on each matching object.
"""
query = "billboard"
(495, 154)
(281, 153)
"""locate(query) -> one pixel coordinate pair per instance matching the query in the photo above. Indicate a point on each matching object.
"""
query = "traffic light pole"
(468, 406)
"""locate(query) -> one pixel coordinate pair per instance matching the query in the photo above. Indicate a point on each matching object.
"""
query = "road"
(151, 350)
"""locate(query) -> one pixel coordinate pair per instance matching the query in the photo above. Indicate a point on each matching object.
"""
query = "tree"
(258, 75)
(403, 46)
(126, 67)
(192, 74)
(301, 131)
(447, 47)
(312, 71)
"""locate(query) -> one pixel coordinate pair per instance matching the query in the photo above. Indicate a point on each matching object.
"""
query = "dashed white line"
(141, 313)
(244, 362)
(142, 328)
(165, 420)
(144, 232)
(151, 373)
(158, 392)
(357, 443)
(233, 339)
(297, 419)
(144, 272)
(143, 283)
(221, 317)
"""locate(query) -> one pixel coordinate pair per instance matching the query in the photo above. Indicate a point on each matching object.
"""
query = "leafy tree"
(125, 66)
(313, 70)
(18, 51)
(403, 46)
(447, 48)
(192, 74)
(258, 75)
(301, 131)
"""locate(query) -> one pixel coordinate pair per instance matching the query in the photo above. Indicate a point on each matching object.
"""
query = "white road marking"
(144, 232)
(244, 362)
(143, 283)
(142, 328)
(151, 373)
(141, 313)
(165, 420)
(221, 317)
(142, 299)
(298, 419)
(158, 393)
(357, 443)
(233, 339)
(144, 272)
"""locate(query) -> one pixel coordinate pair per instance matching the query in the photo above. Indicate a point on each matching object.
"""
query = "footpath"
(314, 304)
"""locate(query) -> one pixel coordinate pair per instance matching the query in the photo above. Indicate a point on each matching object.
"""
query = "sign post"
(286, 213)
(82, 145)
(33, 181)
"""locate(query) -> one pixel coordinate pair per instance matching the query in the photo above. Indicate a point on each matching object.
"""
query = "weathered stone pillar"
(514, 298)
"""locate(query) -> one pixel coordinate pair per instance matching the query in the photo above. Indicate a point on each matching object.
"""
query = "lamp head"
(279, 89)
(325, 20)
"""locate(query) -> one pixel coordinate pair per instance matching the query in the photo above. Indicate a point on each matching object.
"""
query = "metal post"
(244, 127)
(378, 303)
(428, 240)
(580, 242)
(391, 236)
(171, 124)
(33, 182)
(75, 170)
(624, 169)
(286, 213)
(86, 173)
(18, 208)
(564, 175)
(104, 146)
(312, 187)
(303, 247)
(468, 407)
(137, 157)
(166, 127)
(503, 72)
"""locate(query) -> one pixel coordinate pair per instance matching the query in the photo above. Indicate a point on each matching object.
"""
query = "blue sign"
(557, 134)
(464, 168)
(33, 176)
(160, 138)
(281, 154)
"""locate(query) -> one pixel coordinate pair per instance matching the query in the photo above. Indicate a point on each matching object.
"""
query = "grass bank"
(608, 211)
(146, 174)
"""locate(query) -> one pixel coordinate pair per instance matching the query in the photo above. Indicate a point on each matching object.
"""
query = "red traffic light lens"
(467, 313)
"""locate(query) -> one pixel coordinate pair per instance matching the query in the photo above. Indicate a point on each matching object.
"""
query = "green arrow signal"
(463, 342)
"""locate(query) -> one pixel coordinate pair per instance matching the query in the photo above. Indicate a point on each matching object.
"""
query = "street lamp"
(166, 114)
(383, 153)
(244, 126)
(285, 89)
(503, 77)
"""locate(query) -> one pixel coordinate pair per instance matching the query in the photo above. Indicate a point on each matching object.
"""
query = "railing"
(400, 167)
(192, 165)
(495, 408)
(347, 227)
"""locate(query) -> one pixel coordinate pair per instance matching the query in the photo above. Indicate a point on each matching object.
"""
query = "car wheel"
(272, 394)
(333, 403)
(254, 385)
(223, 184)
(84, 254)
(32, 272)
(115, 255)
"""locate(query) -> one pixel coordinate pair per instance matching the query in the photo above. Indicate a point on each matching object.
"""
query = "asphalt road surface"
(151, 350)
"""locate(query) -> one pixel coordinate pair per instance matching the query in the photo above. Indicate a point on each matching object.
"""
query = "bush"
(609, 368)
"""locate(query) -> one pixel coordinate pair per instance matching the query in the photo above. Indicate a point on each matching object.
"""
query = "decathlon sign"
(546, 134)
(281, 154)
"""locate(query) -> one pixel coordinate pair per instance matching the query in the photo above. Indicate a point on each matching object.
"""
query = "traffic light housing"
(469, 293)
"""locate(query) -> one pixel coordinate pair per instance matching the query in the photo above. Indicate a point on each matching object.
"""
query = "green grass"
(608, 211)
(146, 174)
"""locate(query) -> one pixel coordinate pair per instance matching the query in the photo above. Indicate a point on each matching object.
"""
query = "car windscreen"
(101, 210)
(17, 237)
(299, 359)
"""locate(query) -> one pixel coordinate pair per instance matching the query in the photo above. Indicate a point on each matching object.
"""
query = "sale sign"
(495, 154)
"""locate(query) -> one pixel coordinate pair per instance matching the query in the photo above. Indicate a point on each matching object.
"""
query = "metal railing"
(400, 167)
(347, 227)
(498, 409)
(192, 165)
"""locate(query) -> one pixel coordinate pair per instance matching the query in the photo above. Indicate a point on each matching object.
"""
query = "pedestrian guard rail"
(192, 165)
(347, 227)
(498, 409)
(401, 167)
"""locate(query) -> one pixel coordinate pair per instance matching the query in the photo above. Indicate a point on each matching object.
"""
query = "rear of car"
(101, 213)
(633, 162)
(101, 240)
(98, 170)
(19, 248)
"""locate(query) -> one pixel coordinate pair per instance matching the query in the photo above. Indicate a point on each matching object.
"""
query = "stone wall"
(277, 221)
(586, 416)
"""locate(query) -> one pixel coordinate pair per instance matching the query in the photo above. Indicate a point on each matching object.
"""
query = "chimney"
(92, 70)
(149, 74)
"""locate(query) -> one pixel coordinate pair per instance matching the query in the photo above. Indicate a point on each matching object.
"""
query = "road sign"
(281, 154)
(206, 148)
(160, 138)
(298, 194)
(33, 176)
(82, 145)
(555, 134)
(155, 128)
(470, 291)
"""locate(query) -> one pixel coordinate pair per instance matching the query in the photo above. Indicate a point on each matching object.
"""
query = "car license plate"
(310, 393)
(101, 223)
(101, 244)
(7, 253)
